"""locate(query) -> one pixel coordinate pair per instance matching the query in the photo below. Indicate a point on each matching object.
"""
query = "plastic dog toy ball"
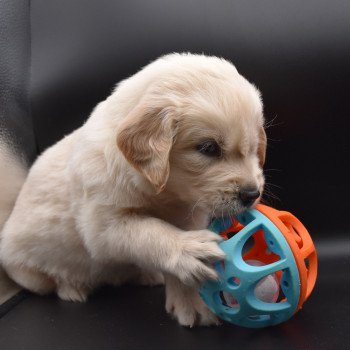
(269, 271)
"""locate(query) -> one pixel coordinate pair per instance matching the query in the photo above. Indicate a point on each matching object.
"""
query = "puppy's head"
(197, 134)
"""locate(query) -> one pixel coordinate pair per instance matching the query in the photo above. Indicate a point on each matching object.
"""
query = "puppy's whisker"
(272, 169)
(195, 206)
(214, 207)
(272, 140)
(268, 189)
(212, 214)
(231, 216)
(268, 201)
(268, 184)
(271, 123)
(269, 197)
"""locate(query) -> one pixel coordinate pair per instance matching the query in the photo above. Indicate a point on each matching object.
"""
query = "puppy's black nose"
(248, 195)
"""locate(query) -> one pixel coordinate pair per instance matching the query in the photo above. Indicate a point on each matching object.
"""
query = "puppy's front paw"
(190, 310)
(198, 251)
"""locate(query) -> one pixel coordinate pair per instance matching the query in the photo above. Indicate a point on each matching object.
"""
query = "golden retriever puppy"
(128, 196)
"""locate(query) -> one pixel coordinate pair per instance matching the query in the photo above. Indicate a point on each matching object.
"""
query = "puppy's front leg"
(185, 304)
(152, 243)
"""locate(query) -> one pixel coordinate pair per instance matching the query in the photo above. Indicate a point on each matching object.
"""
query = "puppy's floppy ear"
(262, 146)
(145, 138)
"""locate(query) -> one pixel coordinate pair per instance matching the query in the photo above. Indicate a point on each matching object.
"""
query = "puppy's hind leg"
(31, 279)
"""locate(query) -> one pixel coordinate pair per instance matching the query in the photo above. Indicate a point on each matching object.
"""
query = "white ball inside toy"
(267, 289)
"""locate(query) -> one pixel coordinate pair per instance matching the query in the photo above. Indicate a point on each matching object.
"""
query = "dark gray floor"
(134, 318)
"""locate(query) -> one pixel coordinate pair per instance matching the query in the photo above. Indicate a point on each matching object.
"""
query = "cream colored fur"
(128, 196)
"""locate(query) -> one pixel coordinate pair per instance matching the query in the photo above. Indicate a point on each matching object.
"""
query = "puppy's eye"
(210, 149)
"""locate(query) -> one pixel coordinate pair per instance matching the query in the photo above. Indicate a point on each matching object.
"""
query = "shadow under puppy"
(128, 196)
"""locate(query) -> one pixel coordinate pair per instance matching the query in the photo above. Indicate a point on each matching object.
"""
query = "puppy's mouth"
(229, 204)
(233, 208)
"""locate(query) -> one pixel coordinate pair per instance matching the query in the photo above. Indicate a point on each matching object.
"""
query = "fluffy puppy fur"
(128, 196)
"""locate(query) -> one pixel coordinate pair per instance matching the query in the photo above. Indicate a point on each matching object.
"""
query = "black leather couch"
(60, 57)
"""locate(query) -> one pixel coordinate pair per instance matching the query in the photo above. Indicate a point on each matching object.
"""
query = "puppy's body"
(92, 212)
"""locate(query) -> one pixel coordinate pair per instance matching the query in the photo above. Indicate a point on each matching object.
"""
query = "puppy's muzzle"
(248, 195)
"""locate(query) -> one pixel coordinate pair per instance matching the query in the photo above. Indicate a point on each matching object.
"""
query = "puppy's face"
(215, 164)
(216, 160)
(202, 143)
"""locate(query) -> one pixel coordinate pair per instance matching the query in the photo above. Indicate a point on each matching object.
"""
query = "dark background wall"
(16, 126)
(296, 52)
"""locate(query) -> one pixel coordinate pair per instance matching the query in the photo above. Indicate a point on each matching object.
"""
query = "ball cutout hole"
(220, 267)
(259, 317)
(248, 245)
(228, 300)
(233, 282)
(307, 262)
(267, 289)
